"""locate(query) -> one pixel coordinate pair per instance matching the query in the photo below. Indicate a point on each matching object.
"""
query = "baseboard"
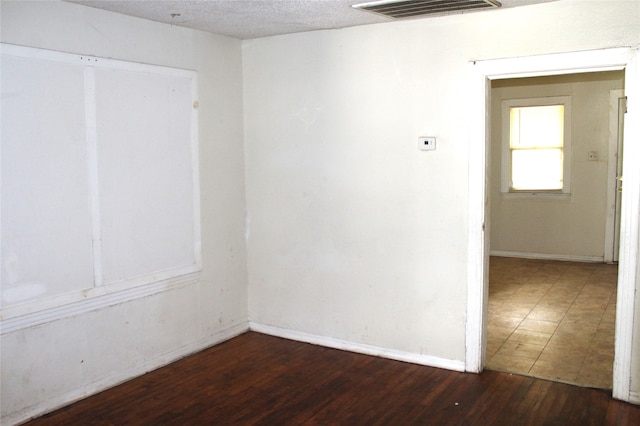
(120, 377)
(634, 398)
(345, 345)
(545, 256)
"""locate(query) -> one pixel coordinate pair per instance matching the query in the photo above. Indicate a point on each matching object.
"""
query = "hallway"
(552, 320)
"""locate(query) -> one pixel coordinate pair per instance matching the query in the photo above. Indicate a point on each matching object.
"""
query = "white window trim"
(99, 294)
(505, 185)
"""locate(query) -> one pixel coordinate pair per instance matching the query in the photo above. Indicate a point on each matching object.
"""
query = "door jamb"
(612, 178)
(480, 74)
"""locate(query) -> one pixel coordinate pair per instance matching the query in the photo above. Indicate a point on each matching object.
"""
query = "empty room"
(250, 177)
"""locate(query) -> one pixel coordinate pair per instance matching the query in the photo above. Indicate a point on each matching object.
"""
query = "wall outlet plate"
(427, 143)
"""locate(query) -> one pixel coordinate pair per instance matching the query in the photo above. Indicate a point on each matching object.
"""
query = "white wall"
(355, 234)
(50, 364)
(572, 227)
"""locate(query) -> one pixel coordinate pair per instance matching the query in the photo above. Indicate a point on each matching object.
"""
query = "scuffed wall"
(356, 234)
(48, 365)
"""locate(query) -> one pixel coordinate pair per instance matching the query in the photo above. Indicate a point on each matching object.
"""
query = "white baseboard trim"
(634, 398)
(345, 345)
(544, 256)
(67, 398)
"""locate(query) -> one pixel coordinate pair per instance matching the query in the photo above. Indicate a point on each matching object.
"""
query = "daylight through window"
(535, 145)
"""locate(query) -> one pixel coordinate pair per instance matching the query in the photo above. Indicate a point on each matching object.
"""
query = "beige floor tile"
(573, 319)
(570, 327)
(552, 371)
(589, 300)
(585, 312)
(595, 293)
(554, 268)
(520, 349)
(530, 336)
(562, 356)
(594, 378)
(542, 281)
(545, 314)
(510, 364)
(494, 309)
(501, 333)
(523, 307)
(515, 311)
(557, 295)
(562, 299)
(492, 346)
(570, 282)
(602, 346)
(576, 342)
(610, 312)
(608, 322)
(599, 361)
(530, 291)
(504, 321)
(555, 304)
(504, 289)
(538, 325)
(553, 320)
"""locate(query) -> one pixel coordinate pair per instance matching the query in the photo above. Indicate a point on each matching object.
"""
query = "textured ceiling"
(246, 19)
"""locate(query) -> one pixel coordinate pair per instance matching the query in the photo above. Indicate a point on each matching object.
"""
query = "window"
(123, 155)
(536, 145)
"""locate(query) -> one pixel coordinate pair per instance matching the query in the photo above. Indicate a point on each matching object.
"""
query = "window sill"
(536, 195)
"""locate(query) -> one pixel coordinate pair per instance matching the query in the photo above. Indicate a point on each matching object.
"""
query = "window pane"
(536, 169)
(538, 126)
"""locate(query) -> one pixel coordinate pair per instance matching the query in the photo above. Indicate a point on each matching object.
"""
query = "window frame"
(507, 104)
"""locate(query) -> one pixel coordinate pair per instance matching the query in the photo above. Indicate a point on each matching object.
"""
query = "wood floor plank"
(256, 379)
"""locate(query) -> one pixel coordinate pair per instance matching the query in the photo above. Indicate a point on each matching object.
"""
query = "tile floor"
(552, 320)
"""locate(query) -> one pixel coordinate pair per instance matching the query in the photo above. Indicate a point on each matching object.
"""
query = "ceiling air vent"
(413, 8)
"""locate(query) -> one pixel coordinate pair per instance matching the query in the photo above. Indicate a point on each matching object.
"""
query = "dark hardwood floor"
(258, 379)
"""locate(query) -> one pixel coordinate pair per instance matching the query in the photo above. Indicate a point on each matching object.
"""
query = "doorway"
(481, 73)
(551, 309)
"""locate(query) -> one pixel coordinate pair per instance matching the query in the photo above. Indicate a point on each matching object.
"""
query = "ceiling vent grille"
(413, 8)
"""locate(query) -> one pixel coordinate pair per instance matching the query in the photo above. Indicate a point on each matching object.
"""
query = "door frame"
(479, 83)
(611, 240)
